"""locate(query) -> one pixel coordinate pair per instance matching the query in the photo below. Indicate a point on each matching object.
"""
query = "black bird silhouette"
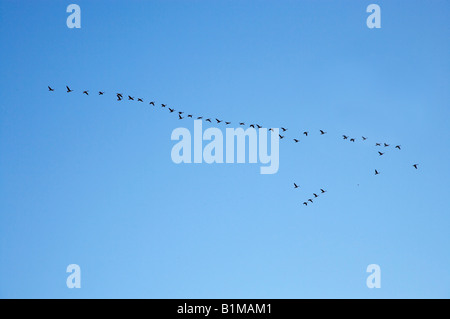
(376, 172)
(271, 129)
(415, 165)
(130, 98)
(163, 105)
(322, 191)
(398, 146)
(199, 118)
(305, 203)
(315, 195)
(101, 93)
(208, 120)
(259, 126)
(190, 115)
(219, 121)
(171, 110)
(152, 103)
(380, 153)
(345, 137)
(50, 89)
(252, 125)
(140, 100)
(68, 89)
(281, 136)
(180, 112)
(283, 129)
(180, 117)
(322, 132)
(227, 123)
(241, 123)
(386, 145)
(86, 92)
(295, 140)
(377, 144)
(306, 133)
(364, 138)
(352, 140)
(119, 97)
(295, 185)
(310, 200)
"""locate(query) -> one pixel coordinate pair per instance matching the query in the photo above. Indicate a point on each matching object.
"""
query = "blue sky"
(90, 181)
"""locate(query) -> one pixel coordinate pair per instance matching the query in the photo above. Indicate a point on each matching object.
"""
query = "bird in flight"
(364, 138)
(283, 129)
(101, 93)
(163, 105)
(252, 125)
(305, 203)
(322, 191)
(227, 123)
(380, 153)
(345, 137)
(386, 145)
(180, 112)
(140, 100)
(180, 117)
(86, 92)
(322, 132)
(242, 123)
(281, 136)
(310, 200)
(295, 140)
(219, 121)
(119, 97)
(152, 103)
(398, 146)
(315, 195)
(306, 133)
(352, 140)
(376, 172)
(190, 115)
(50, 89)
(295, 185)
(415, 165)
(68, 89)
(208, 120)
(130, 98)
(199, 118)
(171, 110)
(259, 126)
(377, 144)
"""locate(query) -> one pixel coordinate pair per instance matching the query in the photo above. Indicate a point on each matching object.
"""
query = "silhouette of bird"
(306, 133)
(315, 195)
(219, 121)
(130, 98)
(415, 165)
(352, 140)
(171, 110)
(86, 92)
(251, 125)
(398, 146)
(101, 93)
(140, 100)
(50, 89)
(271, 129)
(68, 89)
(376, 172)
(310, 200)
(119, 97)
(322, 191)
(295, 140)
(281, 136)
(305, 203)
(386, 145)
(189, 115)
(163, 105)
(180, 117)
(227, 123)
(364, 138)
(283, 129)
(377, 144)
(380, 153)
(208, 120)
(152, 103)
(259, 126)
(322, 132)
(180, 112)
(199, 118)
(345, 137)
(241, 123)
(295, 185)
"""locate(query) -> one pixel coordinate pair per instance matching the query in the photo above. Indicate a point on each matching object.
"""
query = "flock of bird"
(182, 115)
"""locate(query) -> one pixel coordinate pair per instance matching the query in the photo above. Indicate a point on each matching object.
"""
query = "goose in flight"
(241, 123)
(50, 89)
(140, 100)
(322, 191)
(310, 200)
(415, 165)
(295, 185)
(305, 203)
(227, 123)
(101, 93)
(180, 117)
(259, 126)
(376, 172)
(352, 140)
(163, 105)
(219, 121)
(199, 118)
(130, 98)
(171, 110)
(208, 120)
(189, 115)
(380, 153)
(322, 132)
(281, 136)
(152, 103)
(315, 195)
(377, 144)
(68, 89)
(306, 133)
(283, 129)
(398, 146)
(386, 145)
(252, 125)
(86, 92)
(119, 96)
(295, 140)
(345, 137)
(364, 138)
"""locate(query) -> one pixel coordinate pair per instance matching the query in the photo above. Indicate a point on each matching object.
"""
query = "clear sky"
(88, 180)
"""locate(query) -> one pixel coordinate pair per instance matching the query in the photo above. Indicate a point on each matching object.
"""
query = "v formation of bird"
(218, 121)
